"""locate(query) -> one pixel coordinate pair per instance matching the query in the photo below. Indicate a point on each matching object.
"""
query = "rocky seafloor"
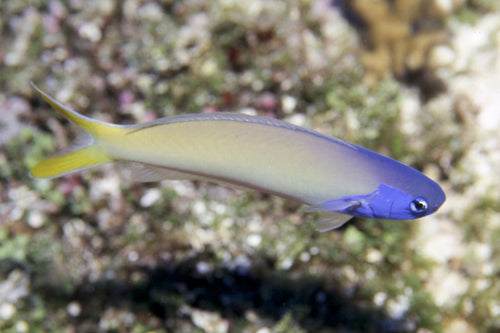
(97, 252)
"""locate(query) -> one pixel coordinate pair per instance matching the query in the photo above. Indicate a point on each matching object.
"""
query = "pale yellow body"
(228, 148)
(268, 158)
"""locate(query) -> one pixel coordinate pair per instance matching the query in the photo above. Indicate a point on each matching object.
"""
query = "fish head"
(389, 203)
(398, 204)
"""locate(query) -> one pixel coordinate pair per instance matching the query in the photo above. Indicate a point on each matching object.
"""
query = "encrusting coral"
(400, 35)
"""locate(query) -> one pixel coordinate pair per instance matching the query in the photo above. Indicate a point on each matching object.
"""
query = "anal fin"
(141, 172)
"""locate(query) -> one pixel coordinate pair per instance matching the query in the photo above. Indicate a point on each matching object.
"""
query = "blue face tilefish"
(334, 177)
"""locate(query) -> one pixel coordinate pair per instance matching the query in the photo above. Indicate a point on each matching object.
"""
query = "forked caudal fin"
(71, 162)
(79, 159)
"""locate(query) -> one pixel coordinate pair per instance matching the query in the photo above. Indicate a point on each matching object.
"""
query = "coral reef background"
(417, 80)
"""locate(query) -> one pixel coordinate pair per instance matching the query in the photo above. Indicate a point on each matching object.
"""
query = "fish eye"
(418, 206)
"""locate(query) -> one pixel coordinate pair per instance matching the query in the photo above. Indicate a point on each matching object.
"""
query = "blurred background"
(417, 80)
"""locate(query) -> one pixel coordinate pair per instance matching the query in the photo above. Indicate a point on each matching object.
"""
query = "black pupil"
(419, 205)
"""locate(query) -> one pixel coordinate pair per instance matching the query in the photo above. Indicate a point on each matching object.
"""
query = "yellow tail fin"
(79, 159)
(72, 162)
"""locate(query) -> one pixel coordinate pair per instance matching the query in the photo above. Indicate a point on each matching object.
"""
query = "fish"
(338, 179)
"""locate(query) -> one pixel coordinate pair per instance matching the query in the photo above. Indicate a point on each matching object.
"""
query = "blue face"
(392, 203)
(388, 203)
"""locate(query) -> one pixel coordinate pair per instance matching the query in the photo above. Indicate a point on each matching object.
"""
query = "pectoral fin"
(341, 205)
(332, 220)
(358, 205)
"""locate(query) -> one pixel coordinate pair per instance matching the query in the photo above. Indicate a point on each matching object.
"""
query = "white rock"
(289, 103)
(254, 240)
(494, 308)
(459, 325)
(7, 311)
(446, 6)
(205, 216)
(286, 263)
(379, 298)
(14, 288)
(218, 208)
(74, 309)
(305, 256)
(90, 31)
(182, 188)
(151, 11)
(446, 286)
(410, 107)
(374, 256)
(35, 219)
(264, 330)
(133, 256)
(482, 251)
(298, 119)
(108, 186)
(203, 267)
(22, 326)
(440, 240)
(210, 322)
(441, 55)
(397, 307)
(314, 250)
(150, 197)
(199, 208)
